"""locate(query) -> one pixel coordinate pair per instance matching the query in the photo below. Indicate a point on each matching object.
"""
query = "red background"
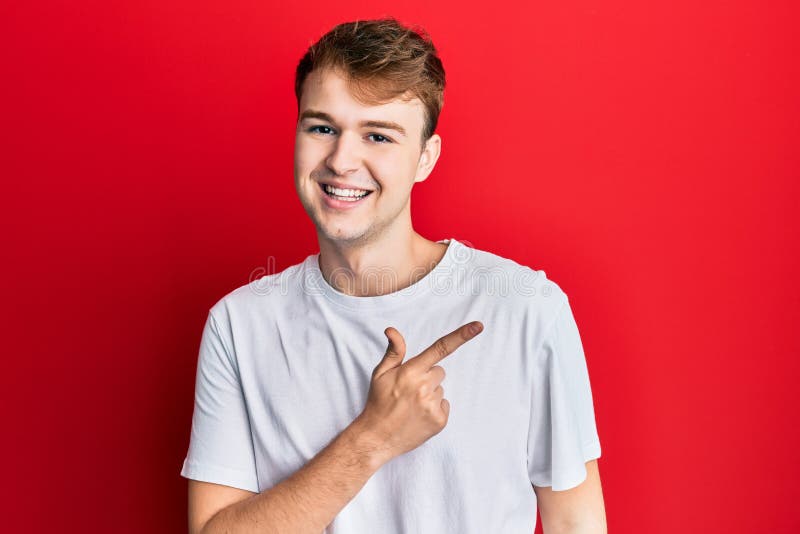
(644, 155)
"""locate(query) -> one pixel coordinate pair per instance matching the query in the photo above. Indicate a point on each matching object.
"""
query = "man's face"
(341, 142)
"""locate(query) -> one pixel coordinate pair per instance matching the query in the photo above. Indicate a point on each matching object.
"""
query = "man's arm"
(405, 407)
(579, 510)
(305, 502)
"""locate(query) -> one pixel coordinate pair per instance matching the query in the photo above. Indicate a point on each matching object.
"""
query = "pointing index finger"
(445, 345)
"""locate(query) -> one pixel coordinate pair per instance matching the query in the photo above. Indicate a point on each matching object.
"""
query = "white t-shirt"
(285, 365)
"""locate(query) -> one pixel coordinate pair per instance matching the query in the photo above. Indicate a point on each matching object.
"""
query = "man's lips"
(342, 185)
(342, 203)
(331, 195)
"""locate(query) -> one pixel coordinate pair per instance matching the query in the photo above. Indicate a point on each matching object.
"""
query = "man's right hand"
(405, 405)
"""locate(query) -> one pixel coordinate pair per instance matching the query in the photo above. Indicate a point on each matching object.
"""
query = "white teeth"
(357, 193)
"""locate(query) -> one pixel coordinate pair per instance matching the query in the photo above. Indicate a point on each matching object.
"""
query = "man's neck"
(384, 266)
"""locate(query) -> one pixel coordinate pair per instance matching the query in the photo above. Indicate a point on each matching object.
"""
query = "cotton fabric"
(285, 362)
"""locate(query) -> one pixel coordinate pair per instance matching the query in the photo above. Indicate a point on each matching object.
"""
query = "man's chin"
(345, 238)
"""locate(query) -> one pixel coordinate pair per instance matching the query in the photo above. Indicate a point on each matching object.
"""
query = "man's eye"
(380, 139)
(315, 129)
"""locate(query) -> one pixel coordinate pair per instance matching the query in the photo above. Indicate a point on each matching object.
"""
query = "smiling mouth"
(345, 195)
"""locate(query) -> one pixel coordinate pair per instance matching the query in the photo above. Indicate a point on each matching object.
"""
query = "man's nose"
(346, 155)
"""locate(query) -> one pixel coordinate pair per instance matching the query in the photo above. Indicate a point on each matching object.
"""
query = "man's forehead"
(327, 96)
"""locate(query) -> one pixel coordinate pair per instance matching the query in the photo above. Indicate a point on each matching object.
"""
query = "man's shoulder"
(497, 275)
(261, 290)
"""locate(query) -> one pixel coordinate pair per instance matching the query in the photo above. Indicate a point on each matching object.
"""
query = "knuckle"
(441, 420)
(440, 347)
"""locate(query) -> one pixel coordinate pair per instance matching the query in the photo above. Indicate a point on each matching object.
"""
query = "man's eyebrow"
(387, 125)
(313, 114)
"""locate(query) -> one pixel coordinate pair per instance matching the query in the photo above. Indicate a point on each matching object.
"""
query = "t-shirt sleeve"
(562, 435)
(221, 444)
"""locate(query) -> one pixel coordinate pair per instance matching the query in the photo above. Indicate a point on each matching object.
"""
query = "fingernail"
(475, 328)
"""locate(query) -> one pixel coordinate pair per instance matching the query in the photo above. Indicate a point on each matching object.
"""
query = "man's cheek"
(304, 163)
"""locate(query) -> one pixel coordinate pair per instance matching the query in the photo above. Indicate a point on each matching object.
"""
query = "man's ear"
(428, 157)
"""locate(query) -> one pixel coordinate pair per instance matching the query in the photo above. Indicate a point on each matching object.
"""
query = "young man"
(319, 402)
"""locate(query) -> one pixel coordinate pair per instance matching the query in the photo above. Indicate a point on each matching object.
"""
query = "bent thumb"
(395, 351)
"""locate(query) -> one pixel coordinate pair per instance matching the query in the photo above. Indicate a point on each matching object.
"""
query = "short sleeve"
(562, 435)
(221, 444)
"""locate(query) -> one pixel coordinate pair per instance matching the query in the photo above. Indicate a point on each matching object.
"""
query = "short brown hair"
(382, 60)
